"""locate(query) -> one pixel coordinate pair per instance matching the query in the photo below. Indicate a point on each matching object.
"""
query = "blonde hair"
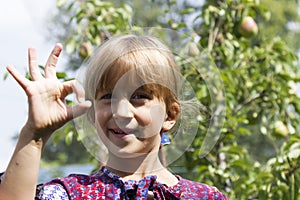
(152, 63)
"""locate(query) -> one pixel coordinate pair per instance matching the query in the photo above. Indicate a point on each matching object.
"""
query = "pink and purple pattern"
(103, 184)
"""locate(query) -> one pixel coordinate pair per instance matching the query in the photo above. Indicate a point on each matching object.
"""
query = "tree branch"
(247, 101)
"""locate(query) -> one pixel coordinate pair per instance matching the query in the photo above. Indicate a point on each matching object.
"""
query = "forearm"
(20, 179)
(47, 112)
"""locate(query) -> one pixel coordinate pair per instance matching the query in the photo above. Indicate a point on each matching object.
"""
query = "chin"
(132, 153)
(122, 153)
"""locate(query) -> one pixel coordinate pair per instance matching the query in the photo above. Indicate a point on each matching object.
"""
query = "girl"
(132, 86)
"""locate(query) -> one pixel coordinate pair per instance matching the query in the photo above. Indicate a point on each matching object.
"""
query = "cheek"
(158, 114)
(102, 114)
(144, 118)
(153, 115)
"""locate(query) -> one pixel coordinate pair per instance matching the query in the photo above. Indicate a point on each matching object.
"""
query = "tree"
(259, 75)
(258, 153)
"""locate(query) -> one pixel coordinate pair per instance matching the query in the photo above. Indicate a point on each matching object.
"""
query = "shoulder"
(76, 181)
(191, 189)
(60, 188)
(51, 191)
(75, 186)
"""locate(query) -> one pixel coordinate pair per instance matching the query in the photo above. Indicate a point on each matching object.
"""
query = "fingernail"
(59, 44)
(88, 103)
(81, 100)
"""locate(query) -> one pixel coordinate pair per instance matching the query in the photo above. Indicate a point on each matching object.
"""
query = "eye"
(141, 96)
(105, 96)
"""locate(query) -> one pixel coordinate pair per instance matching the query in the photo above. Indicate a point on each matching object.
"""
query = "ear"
(171, 118)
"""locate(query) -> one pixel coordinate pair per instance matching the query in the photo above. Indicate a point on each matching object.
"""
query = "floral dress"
(103, 184)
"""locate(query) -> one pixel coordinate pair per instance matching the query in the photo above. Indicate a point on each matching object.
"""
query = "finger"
(79, 92)
(73, 87)
(79, 109)
(23, 82)
(50, 71)
(83, 105)
(68, 88)
(33, 66)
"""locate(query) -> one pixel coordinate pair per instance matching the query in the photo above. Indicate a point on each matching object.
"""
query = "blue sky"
(22, 25)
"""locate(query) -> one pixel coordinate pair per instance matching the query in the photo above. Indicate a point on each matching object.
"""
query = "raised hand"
(46, 96)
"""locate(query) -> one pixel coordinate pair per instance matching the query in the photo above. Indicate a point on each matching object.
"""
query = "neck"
(138, 167)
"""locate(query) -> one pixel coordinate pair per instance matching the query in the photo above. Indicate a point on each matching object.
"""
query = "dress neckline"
(151, 178)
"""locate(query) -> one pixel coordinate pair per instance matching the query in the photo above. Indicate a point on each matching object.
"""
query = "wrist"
(33, 137)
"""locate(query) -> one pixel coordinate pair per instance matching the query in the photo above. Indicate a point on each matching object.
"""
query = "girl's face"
(129, 120)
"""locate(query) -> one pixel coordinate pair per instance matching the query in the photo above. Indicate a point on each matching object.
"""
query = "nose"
(122, 109)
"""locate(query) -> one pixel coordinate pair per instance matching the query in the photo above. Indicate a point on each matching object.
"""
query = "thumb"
(79, 109)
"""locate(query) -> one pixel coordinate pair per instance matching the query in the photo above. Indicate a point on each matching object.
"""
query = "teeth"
(118, 132)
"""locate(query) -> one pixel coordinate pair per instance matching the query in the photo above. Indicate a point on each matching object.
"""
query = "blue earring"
(165, 140)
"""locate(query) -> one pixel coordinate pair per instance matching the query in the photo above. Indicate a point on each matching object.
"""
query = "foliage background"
(258, 153)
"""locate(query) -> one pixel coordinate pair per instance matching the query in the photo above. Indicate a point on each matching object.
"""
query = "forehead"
(128, 82)
(134, 69)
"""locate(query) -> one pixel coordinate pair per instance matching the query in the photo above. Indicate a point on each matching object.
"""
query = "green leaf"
(69, 137)
(70, 46)
(60, 3)
(61, 75)
(5, 76)
(187, 11)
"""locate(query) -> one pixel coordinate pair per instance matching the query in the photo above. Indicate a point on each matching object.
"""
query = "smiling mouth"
(119, 133)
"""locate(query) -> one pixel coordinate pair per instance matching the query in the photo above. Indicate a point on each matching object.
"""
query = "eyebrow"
(102, 91)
